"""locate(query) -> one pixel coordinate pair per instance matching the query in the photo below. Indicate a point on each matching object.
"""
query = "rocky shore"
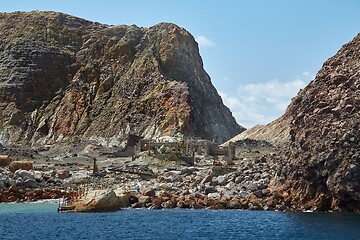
(248, 182)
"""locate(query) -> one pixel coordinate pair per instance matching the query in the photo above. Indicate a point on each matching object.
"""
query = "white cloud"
(244, 114)
(276, 93)
(261, 103)
(204, 41)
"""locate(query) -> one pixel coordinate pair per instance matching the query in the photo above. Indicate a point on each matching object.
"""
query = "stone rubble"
(238, 184)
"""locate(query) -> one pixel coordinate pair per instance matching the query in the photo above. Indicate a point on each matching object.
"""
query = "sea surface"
(42, 221)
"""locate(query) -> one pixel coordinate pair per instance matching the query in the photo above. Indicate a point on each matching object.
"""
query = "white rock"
(214, 195)
(38, 175)
(221, 180)
(24, 174)
(19, 181)
(231, 185)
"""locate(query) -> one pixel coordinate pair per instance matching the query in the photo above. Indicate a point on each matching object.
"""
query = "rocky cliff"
(323, 160)
(62, 76)
(319, 137)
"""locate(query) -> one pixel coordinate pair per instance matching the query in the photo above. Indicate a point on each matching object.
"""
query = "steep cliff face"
(62, 76)
(323, 166)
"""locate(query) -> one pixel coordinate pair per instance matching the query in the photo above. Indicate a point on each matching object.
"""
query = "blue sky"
(258, 53)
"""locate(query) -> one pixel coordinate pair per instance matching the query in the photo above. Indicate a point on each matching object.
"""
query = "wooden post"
(231, 150)
(207, 148)
(95, 167)
(199, 149)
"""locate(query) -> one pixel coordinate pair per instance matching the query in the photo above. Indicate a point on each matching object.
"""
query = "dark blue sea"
(42, 221)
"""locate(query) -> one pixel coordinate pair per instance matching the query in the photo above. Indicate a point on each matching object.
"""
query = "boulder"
(148, 192)
(216, 206)
(24, 174)
(183, 204)
(11, 182)
(210, 189)
(164, 186)
(25, 165)
(221, 180)
(228, 193)
(5, 160)
(98, 201)
(30, 183)
(252, 187)
(63, 173)
(155, 207)
(37, 192)
(234, 204)
(238, 179)
(243, 194)
(265, 191)
(19, 181)
(258, 193)
(214, 195)
(124, 200)
(5, 179)
(144, 199)
(195, 205)
(206, 179)
(169, 204)
(38, 176)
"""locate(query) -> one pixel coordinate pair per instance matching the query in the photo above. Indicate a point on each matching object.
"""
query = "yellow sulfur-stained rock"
(100, 201)
(24, 165)
(5, 160)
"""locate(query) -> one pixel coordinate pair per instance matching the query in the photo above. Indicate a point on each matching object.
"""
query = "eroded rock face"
(63, 76)
(323, 168)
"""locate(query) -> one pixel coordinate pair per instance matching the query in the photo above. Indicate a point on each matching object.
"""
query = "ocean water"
(42, 221)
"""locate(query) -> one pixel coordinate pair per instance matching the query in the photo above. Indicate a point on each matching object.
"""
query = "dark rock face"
(324, 154)
(62, 76)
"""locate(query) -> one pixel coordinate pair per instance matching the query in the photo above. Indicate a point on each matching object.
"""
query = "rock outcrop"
(62, 76)
(319, 137)
(323, 166)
